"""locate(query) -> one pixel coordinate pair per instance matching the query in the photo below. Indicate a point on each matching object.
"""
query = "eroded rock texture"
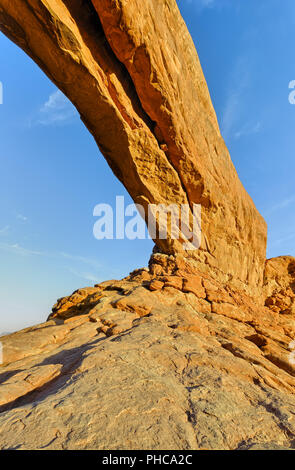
(132, 71)
(163, 359)
(196, 351)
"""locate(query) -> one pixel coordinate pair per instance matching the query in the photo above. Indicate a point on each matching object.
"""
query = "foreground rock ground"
(163, 359)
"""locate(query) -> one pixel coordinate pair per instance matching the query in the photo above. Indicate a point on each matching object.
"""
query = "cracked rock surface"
(194, 352)
(154, 361)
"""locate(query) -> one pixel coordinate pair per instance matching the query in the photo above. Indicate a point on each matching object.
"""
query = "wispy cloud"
(281, 205)
(234, 122)
(207, 3)
(22, 217)
(20, 250)
(285, 239)
(248, 129)
(86, 276)
(4, 230)
(202, 3)
(57, 110)
(81, 259)
(80, 266)
(238, 84)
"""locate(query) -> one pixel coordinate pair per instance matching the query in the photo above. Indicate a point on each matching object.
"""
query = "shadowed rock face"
(132, 71)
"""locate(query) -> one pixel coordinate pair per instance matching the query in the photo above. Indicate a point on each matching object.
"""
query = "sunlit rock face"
(133, 73)
(162, 359)
(196, 351)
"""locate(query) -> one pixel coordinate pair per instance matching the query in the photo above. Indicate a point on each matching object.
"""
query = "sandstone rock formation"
(196, 351)
(279, 284)
(132, 71)
(155, 361)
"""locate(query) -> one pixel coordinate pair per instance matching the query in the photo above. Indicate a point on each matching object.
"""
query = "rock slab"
(146, 363)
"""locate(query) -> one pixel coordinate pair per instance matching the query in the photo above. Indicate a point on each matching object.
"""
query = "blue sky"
(52, 174)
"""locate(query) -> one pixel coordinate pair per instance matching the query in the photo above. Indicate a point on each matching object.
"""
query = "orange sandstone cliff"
(132, 71)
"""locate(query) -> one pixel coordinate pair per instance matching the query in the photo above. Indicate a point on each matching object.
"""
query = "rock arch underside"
(195, 351)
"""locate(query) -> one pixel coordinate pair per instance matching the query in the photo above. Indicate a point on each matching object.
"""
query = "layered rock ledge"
(162, 359)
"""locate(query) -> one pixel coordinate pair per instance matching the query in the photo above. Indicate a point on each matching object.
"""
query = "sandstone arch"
(132, 71)
(165, 358)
